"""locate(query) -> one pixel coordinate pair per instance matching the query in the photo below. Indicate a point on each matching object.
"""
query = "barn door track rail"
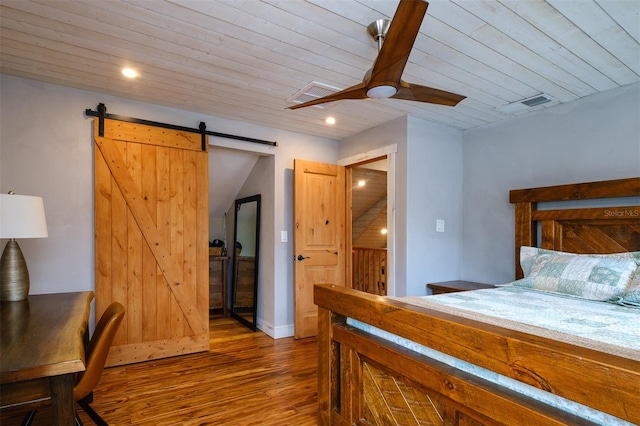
(101, 113)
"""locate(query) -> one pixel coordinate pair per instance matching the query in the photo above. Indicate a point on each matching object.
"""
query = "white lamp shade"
(22, 216)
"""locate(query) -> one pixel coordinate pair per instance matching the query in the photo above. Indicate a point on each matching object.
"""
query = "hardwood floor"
(246, 378)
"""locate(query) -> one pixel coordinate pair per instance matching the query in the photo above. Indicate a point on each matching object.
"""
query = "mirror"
(244, 282)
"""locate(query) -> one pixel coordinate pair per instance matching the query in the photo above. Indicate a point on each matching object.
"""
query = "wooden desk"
(42, 349)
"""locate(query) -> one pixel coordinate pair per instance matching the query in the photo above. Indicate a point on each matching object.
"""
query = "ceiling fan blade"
(385, 77)
(394, 54)
(359, 91)
(415, 92)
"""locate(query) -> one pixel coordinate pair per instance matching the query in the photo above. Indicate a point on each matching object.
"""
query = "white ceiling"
(242, 59)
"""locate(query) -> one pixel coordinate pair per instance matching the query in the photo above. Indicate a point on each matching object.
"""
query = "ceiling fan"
(384, 80)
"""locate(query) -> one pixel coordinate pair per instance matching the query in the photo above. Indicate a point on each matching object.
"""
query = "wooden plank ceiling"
(242, 59)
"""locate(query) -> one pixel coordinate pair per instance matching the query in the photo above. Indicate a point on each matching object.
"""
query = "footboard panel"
(356, 368)
(381, 383)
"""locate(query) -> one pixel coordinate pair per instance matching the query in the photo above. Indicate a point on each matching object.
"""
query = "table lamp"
(21, 216)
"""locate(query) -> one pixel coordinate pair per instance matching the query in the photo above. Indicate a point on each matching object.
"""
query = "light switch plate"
(439, 225)
(284, 237)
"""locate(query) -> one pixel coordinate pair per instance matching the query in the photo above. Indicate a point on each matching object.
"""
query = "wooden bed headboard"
(577, 230)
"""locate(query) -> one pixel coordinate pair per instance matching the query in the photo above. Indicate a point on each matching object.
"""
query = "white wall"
(228, 170)
(428, 187)
(390, 133)
(465, 178)
(393, 132)
(46, 149)
(434, 191)
(296, 147)
(261, 181)
(595, 138)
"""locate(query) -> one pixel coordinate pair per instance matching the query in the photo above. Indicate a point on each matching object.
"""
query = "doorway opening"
(235, 176)
(380, 270)
(369, 221)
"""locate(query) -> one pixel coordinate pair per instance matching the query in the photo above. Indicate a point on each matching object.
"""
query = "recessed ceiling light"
(383, 231)
(129, 72)
(362, 183)
(330, 121)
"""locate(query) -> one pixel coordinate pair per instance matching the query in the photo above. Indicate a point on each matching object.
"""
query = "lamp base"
(14, 275)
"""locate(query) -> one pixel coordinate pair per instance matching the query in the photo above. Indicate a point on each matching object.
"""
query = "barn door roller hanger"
(101, 113)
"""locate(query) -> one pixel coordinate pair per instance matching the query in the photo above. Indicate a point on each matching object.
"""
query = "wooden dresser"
(218, 283)
(245, 281)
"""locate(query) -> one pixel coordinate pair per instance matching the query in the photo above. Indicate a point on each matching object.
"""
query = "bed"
(376, 362)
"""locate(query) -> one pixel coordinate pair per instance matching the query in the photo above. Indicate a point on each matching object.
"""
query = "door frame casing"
(390, 151)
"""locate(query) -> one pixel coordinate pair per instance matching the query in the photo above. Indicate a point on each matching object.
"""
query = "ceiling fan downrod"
(378, 30)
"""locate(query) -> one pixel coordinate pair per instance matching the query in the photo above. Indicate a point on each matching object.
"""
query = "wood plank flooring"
(246, 378)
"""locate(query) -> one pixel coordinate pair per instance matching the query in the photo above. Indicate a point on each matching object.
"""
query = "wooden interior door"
(319, 237)
(151, 232)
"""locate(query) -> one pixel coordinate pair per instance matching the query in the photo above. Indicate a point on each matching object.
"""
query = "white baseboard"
(275, 332)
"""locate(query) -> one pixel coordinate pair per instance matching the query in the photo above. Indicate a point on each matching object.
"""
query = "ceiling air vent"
(530, 104)
(538, 100)
(312, 91)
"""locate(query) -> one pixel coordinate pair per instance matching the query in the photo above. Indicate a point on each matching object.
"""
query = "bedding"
(631, 296)
(593, 277)
(529, 254)
(595, 325)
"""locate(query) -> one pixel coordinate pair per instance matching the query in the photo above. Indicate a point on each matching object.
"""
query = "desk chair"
(96, 357)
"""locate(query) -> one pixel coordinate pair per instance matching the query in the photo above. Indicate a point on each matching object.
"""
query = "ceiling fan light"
(381, 92)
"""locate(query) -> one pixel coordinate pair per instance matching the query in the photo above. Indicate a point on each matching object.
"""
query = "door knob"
(301, 257)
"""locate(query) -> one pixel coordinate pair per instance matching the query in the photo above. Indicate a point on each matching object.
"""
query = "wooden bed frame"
(363, 379)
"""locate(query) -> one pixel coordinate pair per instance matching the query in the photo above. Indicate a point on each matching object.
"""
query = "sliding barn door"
(151, 232)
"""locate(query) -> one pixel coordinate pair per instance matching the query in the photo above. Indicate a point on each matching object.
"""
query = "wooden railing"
(369, 270)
